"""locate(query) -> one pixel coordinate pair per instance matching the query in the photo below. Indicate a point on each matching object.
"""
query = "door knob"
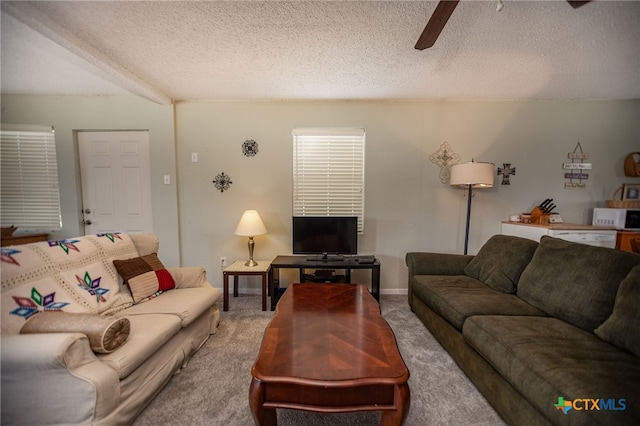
(86, 222)
(87, 211)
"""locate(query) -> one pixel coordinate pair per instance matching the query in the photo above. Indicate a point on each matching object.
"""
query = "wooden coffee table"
(328, 350)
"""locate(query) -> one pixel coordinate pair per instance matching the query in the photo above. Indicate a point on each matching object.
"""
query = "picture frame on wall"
(631, 191)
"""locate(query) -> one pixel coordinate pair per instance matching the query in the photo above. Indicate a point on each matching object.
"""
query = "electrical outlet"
(223, 261)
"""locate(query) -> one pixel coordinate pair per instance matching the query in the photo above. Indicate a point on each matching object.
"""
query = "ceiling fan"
(443, 12)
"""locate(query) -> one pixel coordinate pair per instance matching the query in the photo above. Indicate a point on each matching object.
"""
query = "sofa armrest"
(145, 243)
(55, 378)
(189, 277)
(425, 263)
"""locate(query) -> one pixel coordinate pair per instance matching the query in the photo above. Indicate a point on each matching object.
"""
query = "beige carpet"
(214, 388)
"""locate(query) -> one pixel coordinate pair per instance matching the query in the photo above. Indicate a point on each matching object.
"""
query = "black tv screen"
(325, 234)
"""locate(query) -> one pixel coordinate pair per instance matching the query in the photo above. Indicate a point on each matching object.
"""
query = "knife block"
(538, 217)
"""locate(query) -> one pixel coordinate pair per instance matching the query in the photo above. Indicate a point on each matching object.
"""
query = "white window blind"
(328, 173)
(29, 192)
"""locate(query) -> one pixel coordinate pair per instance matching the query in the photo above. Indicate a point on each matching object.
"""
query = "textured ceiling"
(228, 50)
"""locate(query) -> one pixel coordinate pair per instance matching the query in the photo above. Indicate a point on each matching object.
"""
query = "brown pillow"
(105, 333)
(623, 326)
(146, 276)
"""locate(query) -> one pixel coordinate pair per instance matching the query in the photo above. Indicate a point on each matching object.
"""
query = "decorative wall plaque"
(445, 158)
(250, 148)
(577, 169)
(222, 182)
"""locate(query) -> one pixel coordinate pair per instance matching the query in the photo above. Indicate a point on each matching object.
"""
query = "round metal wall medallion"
(250, 148)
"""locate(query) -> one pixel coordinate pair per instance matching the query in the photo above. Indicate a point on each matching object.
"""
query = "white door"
(116, 181)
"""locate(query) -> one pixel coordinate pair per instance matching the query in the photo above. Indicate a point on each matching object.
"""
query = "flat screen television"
(325, 235)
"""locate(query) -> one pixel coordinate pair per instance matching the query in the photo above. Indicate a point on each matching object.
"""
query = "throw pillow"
(105, 334)
(500, 262)
(575, 282)
(623, 326)
(146, 276)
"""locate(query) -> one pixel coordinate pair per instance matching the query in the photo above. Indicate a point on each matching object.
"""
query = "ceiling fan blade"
(436, 23)
(576, 4)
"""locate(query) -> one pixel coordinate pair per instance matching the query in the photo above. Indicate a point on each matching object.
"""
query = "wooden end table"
(328, 350)
(237, 269)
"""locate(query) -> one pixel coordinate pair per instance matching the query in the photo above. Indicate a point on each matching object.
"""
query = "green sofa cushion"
(500, 262)
(575, 282)
(623, 326)
(457, 297)
(545, 358)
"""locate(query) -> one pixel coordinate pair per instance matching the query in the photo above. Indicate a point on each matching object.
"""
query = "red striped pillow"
(146, 276)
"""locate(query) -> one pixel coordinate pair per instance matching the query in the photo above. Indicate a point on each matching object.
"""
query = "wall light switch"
(167, 179)
(194, 157)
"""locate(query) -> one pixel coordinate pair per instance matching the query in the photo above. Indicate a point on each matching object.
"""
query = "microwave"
(628, 219)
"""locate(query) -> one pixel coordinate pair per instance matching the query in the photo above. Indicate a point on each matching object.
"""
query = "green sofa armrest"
(426, 263)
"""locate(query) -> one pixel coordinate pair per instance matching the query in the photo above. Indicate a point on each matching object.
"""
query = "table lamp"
(250, 225)
(471, 175)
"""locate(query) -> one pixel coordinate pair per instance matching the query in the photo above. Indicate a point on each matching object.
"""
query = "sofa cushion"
(575, 282)
(545, 358)
(105, 333)
(457, 297)
(622, 328)
(148, 334)
(146, 276)
(500, 262)
(186, 303)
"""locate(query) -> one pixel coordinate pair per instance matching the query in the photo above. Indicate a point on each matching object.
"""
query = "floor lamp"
(471, 175)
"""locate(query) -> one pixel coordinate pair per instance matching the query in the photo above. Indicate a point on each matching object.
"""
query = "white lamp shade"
(476, 175)
(250, 224)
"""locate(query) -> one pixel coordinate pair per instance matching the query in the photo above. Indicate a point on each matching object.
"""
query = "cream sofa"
(63, 377)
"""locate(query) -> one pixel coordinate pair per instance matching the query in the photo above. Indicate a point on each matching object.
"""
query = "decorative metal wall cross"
(506, 170)
(445, 158)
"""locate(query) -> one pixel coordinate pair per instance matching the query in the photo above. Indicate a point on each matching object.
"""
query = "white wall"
(69, 113)
(406, 206)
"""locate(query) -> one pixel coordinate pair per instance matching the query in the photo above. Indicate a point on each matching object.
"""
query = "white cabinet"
(586, 234)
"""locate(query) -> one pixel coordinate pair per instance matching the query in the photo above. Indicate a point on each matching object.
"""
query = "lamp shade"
(476, 175)
(250, 224)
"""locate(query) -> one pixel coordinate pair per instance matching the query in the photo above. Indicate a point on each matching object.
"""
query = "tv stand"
(346, 263)
(324, 257)
(323, 276)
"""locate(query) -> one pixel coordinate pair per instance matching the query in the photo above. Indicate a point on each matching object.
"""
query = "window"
(29, 192)
(328, 173)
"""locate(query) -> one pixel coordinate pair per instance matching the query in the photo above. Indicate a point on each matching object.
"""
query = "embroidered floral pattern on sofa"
(92, 286)
(65, 245)
(7, 256)
(79, 271)
(28, 306)
(111, 236)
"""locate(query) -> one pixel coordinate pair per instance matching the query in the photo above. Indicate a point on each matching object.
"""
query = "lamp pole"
(466, 231)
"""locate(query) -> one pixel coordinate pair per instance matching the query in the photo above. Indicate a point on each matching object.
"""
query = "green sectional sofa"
(548, 332)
